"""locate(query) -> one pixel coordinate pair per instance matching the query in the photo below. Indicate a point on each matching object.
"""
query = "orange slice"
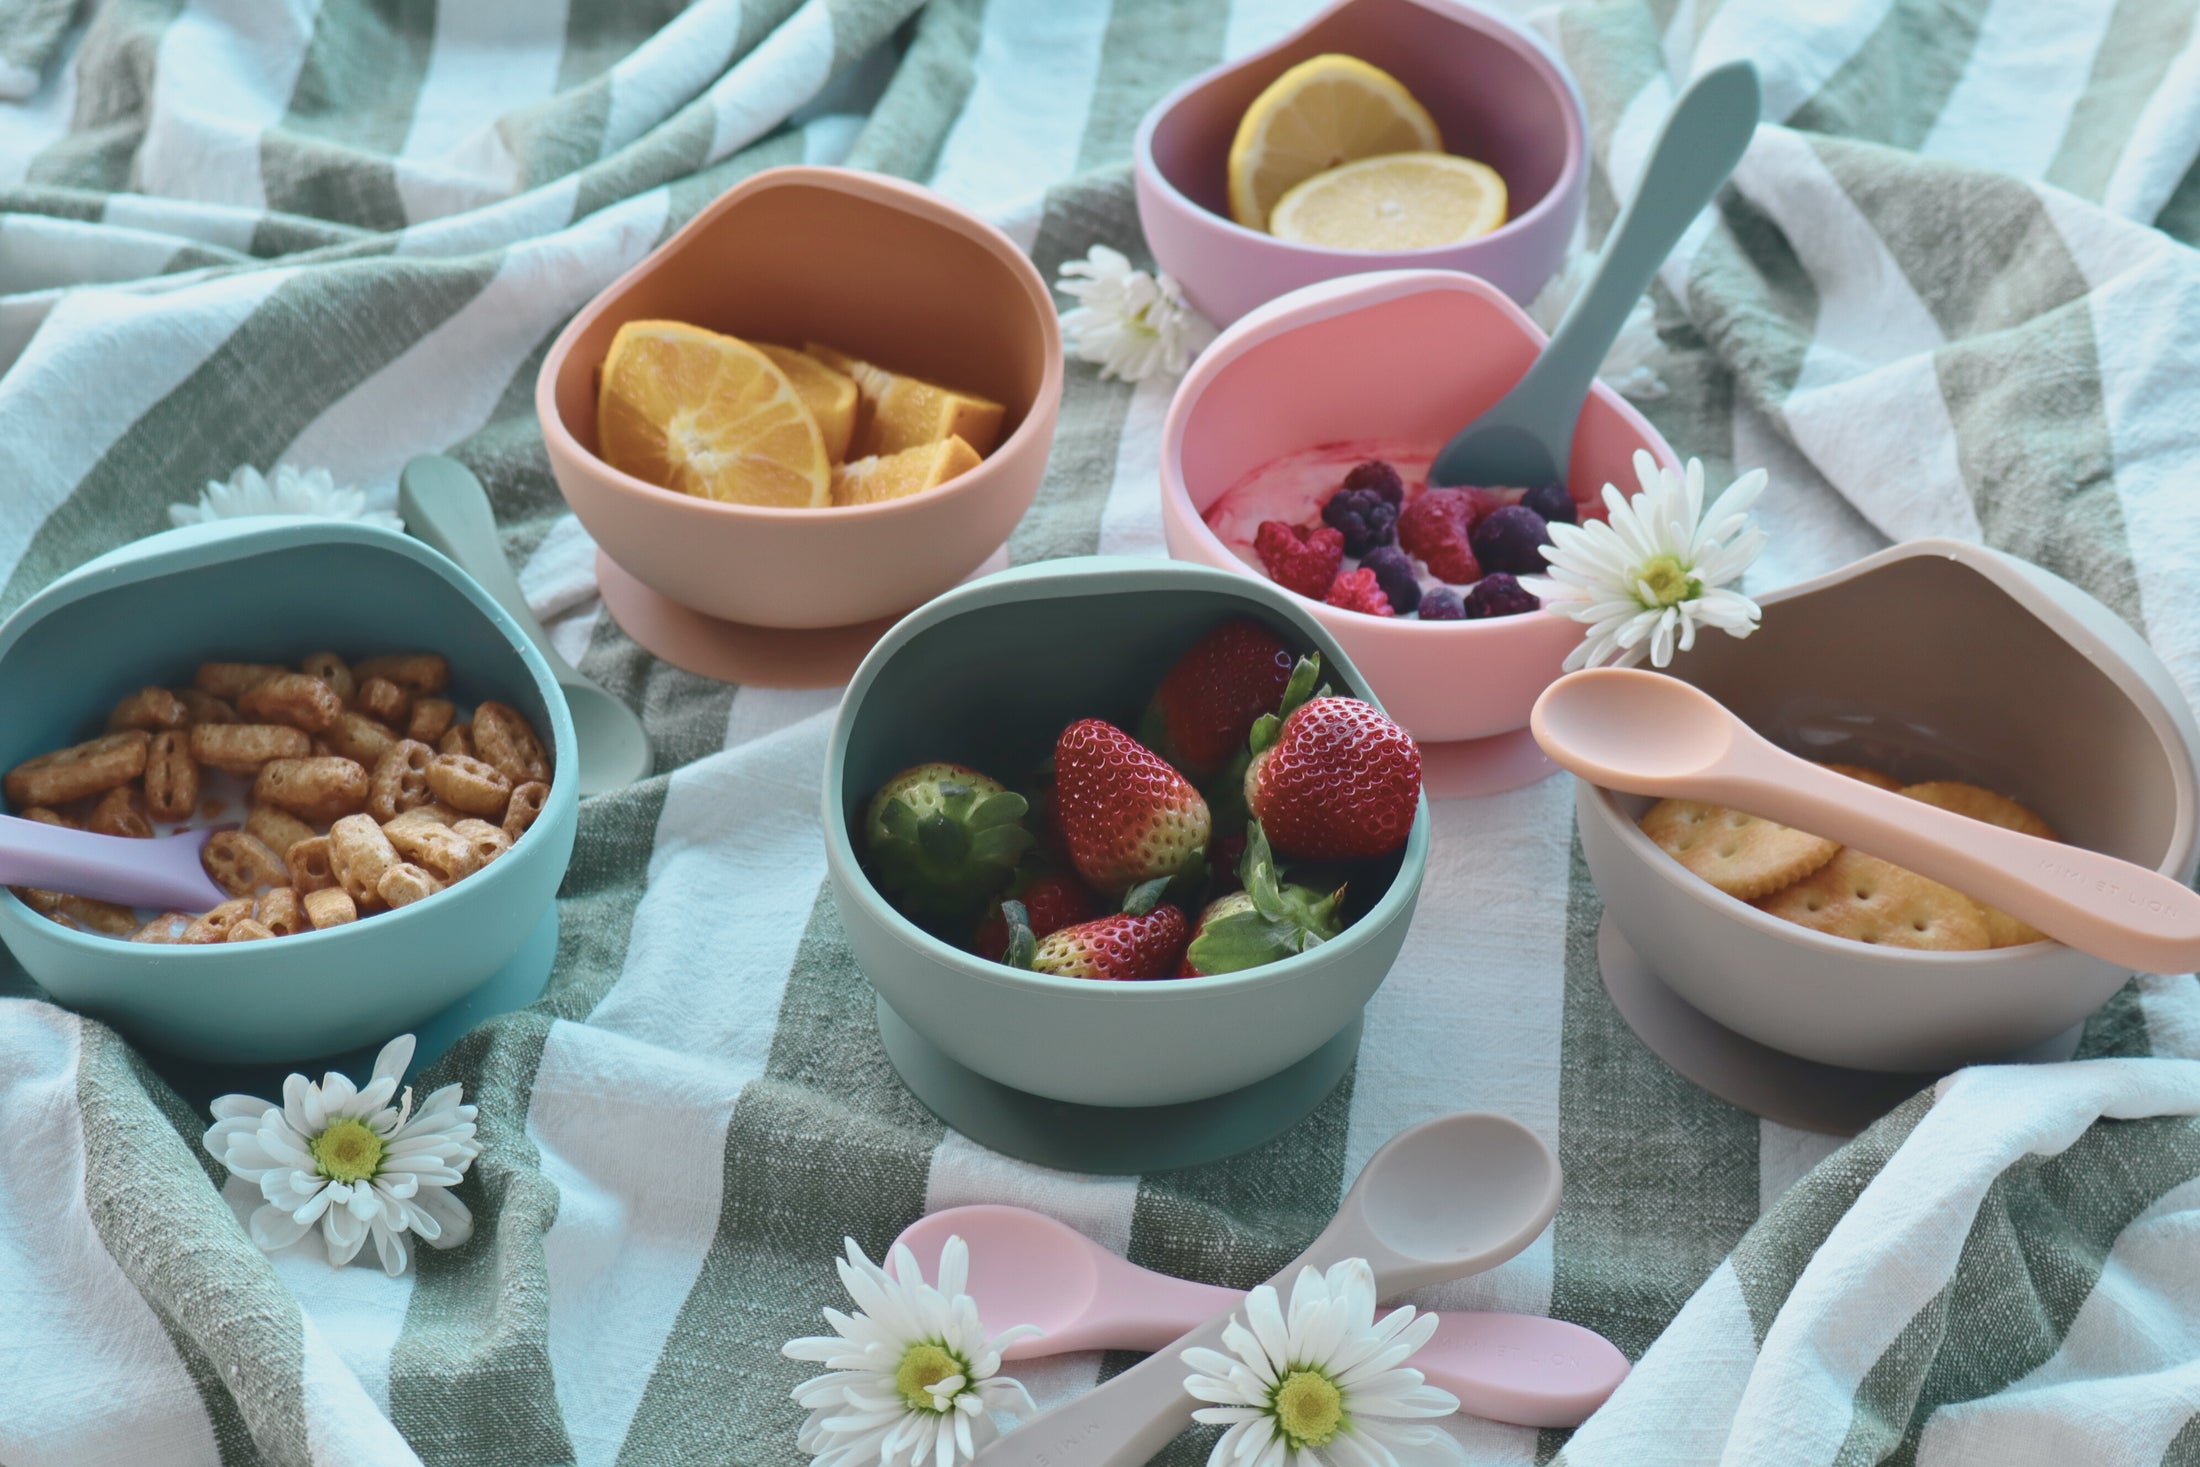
(898, 412)
(898, 475)
(829, 395)
(1324, 111)
(707, 415)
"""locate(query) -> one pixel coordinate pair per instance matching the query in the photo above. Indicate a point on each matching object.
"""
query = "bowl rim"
(1322, 301)
(872, 188)
(198, 547)
(1091, 576)
(1522, 42)
(2004, 572)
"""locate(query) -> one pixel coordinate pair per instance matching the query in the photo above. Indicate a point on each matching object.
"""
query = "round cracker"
(1740, 854)
(1871, 777)
(1983, 804)
(1865, 899)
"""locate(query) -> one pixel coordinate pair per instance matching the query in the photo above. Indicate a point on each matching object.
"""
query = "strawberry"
(1206, 705)
(1299, 559)
(1052, 900)
(942, 839)
(1266, 922)
(1128, 817)
(1144, 940)
(1437, 526)
(1335, 779)
(1359, 591)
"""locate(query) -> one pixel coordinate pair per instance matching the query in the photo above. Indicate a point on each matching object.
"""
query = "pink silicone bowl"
(1406, 354)
(883, 269)
(1496, 93)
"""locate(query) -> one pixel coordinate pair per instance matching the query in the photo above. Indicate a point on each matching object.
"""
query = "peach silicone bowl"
(1495, 91)
(1407, 354)
(886, 270)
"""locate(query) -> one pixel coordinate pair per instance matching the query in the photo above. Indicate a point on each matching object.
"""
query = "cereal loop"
(203, 707)
(120, 813)
(432, 813)
(422, 674)
(45, 816)
(380, 698)
(293, 698)
(171, 776)
(330, 907)
(167, 927)
(249, 930)
(213, 926)
(525, 808)
(230, 681)
(488, 841)
(504, 737)
(457, 739)
(151, 709)
(108, 918)
(90, 768)
(318, 790)
(241, 864)
(359, 853)
(280, 911)
(438, 850)
(400, 781)
(356, 737)
(431, 719)
(470, 786)
(405, 883)
(241, 748)
(278, 830)
(334, 671)
(310, 866)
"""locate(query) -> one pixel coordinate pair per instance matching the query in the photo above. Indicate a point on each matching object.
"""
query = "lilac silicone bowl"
(1495, 91)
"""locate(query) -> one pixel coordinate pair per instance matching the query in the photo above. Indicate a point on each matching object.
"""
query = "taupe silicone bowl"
(1935, 659)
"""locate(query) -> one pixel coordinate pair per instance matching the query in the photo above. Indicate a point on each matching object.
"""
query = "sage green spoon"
(445, 506)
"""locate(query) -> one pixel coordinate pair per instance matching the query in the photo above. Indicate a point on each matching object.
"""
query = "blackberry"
(1364, 517)
(1394, 573)
(1552, 502)
(1380, 477)
(1496, 595)
(1510, 540)
(1442, 604)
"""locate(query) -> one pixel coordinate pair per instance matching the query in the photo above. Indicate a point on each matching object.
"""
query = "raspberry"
(1436, 527)
(1394, 572)
(1299, 560)
(1511, 540)
(1442, 604)
(1552, 502)
(1497, 594)
(1360, 591)
(1363, 516)
(1380, 477)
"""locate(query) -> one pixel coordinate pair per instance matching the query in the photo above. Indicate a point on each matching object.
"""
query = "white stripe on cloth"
(1796, 48)
(224, 74)
(67, 375)
(1785, 1156)
(343, 1427)
(225, 225)
(1676, 1407)
(87, 1374)
(29, 126)
(670, 69)
(2163, 145)
(39, 252)
(489, 58)
(2127, 1377)
(1810, 529)
(2027, 69)
(790, 66)
(1257, 23)
(1130, 521)
(1031, 91)
(1897, 1247)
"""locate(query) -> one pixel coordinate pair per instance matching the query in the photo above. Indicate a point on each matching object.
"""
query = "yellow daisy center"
(1669, 581)
(924, 1365)
(1309, 1408)
(348, 1151)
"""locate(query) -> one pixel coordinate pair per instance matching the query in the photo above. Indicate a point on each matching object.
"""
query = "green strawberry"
(943, 840)
(1265, 922)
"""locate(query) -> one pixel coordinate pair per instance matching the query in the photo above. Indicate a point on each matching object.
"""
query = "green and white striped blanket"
(1947, 295)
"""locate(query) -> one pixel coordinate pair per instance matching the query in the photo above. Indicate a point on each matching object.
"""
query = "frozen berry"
(1363, 517)
(1380, 477)
(1298, 559)
(1436, 527)
(1497, 594)
(1360, 591)
(1394, 573)
(1510, 540)
(1442, 604)
(1552, 502)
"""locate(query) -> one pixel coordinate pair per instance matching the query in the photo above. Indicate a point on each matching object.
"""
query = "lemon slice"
(1405, 201)
(1329, 110)
(708, 415)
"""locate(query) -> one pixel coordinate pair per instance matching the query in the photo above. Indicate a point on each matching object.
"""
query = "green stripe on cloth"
(31, 32)
(1754, 303)
(114, 93)
(1893, 88)
(1146, 50)
(905, 131)
(827, 1143)
(2180, 217)
(2184, 1448)
(329, 157)
(2143, 38)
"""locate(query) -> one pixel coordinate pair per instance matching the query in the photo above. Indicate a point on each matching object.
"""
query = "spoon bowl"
(161, 872)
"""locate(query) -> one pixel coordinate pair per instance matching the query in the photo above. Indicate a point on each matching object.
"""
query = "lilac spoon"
(1027, 1268)
(162, 872)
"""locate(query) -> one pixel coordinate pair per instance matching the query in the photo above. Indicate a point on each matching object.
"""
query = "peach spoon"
(1027, 1268)
(1648, 734)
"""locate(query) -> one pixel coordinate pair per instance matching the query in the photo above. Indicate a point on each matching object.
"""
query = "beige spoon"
(1648, 734)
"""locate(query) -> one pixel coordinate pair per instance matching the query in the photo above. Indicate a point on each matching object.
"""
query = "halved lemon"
(1405, 201)
(1323, 112)
(708, 415)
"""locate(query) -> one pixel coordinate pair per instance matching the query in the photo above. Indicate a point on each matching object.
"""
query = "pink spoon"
(1027, 1268)
(161, 872)
(1648, 734)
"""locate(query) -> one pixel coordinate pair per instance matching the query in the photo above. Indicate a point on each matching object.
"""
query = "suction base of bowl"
(514, 986)
(1757, 1078)
(1112, 1140)
(736, 652)
(1465, 767)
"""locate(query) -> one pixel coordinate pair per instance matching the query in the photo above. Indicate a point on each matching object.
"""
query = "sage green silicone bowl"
(987, 675)
(275, 589)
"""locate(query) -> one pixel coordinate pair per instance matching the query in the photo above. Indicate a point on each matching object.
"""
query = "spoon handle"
(445, 507)
(162, 872)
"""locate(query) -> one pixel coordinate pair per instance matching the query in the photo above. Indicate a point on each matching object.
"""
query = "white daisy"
(1324, 1383)
(1631, 365)
(1660, 567)
(1129, 323)
(284, 489)
(911, 1375)
(348, 1159)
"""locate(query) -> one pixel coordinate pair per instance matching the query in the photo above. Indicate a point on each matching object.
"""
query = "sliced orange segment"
(898, 411)
(829, 395)
(897, 475)
(1323, 112)
(707, 415)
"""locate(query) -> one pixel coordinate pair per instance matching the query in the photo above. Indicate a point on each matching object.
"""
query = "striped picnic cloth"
(1947, 294)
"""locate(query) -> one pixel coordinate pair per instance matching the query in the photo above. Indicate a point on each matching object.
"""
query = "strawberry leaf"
(1140, 899)
(1296, 692)
(1022, 945)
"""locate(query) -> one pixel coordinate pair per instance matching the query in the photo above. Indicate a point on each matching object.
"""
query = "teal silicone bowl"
(987, 675)
(274, 590)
